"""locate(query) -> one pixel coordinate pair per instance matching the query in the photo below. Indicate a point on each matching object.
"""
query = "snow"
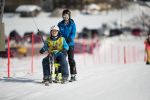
(96, 79)
(93, 6)
(101, 76)
(27, 8)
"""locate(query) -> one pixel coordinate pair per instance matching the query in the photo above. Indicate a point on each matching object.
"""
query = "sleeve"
(45, 47)
(65, 45)
(58, 25)
(73, 31)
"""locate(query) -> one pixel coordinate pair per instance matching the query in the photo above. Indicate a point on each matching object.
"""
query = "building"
(50, 5)
(47, 5)
(11, 5)
(2, 37)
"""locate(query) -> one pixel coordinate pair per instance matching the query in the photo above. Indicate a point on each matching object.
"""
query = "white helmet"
(55, 28)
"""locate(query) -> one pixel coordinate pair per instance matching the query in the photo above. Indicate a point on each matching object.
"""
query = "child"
(147, 49)
(56, 46)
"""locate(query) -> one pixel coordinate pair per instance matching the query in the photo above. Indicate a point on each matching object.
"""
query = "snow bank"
(27, 8)
(44, 21)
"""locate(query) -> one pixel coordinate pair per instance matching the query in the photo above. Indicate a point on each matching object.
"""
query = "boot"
(64, 80)
(43, 81)
(56, 80)
(148, 63)
(73, 78)
(46, 78)
(50, 79)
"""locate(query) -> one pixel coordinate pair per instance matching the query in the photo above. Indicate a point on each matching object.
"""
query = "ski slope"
(101, 76)
(96, 80)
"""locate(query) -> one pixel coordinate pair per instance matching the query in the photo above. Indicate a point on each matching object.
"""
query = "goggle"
(64, 16)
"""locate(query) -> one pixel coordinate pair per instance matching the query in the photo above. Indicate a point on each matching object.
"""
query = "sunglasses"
(65, 16)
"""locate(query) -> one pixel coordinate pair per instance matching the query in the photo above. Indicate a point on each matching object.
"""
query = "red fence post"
(129, 53)
(133, 51)
(99, 53)
(118, 54)
(8, 54)
(92, 50)
(104, 52)
(32, 69)
(125, 60)
(84, 50)
(111, 47)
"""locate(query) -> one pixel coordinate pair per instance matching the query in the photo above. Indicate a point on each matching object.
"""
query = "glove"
(68, 40)
(42, 51)
(64, 52)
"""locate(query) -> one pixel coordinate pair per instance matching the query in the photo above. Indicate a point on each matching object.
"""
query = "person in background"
(56, 46)
(147, 49)
(68, 31)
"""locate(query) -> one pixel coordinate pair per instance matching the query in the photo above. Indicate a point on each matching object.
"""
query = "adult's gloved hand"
(42, 51)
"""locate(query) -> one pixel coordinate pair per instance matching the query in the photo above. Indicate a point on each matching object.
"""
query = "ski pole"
(38, 29)
(36, 26)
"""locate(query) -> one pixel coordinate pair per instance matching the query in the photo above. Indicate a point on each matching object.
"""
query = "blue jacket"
(68, 31)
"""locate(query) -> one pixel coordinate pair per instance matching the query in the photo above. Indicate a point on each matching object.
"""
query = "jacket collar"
(55, 38)
(71, 21)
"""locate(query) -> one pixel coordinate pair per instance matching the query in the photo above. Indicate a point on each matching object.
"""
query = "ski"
(72, 80)
(46, 83)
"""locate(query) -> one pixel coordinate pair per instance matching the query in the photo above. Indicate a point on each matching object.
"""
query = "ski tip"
(46, 84)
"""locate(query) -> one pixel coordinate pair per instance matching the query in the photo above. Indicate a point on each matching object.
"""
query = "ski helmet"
(66, 11)
(54, 28)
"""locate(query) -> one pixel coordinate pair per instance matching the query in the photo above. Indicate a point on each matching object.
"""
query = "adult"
(67, 29)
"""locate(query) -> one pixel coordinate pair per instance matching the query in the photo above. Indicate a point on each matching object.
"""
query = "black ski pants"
(71, 60)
